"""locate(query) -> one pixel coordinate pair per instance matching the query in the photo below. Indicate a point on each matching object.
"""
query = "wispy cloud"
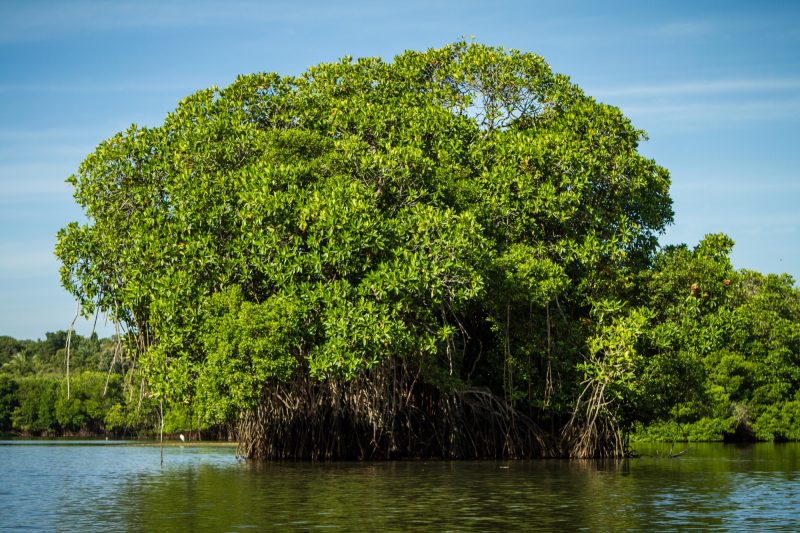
(22, 263)
(24, 21)
(702, 87)
(70, 155)
(32, 21)
(741, 221)
(736, 187)
(96, 88)
(33, 179)
(685, 28)
(47, 134)
(716, 112)
(58, 146)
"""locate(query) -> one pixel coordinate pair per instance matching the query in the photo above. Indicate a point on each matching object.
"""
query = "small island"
(451, 255)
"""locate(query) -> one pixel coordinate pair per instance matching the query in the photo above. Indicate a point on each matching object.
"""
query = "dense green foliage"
(33, 395)
(35, 400)
(48, 355)
(459, 220)
(730, 343)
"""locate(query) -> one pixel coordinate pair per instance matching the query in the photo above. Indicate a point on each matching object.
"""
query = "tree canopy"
(463, 216)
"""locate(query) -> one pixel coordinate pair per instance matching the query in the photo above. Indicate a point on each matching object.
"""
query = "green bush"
(779, 422)
(89, 401)
(9, 401)
(36, 412)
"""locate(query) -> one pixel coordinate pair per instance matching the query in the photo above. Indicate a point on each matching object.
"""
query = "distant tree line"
(35, 400)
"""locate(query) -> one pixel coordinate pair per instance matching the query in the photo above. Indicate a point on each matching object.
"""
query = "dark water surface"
(99, 487)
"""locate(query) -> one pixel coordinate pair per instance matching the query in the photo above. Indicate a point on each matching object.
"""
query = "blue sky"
(715, 84)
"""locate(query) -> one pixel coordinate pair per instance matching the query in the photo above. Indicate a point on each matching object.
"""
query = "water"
(100, 487)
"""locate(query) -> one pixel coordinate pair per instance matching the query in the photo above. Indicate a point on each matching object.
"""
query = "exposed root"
(593, 432)
(385, 413)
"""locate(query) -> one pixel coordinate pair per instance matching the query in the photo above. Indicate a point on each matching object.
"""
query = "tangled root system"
(386, 413)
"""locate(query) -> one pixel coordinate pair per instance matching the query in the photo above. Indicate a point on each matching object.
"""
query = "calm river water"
(102, 487)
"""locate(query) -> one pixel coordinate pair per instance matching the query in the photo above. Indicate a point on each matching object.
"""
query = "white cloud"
(29, 21)
(742, 221)
(685, 28)
(708, 101)
(98, 88)
(28, 179)
(24, 21)
(70, 154)
(46, 134)
(18, 263)
(711, 113)
(702, 87)
(736, 187)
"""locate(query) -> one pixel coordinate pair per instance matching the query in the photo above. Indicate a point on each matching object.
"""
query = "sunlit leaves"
(322, 223)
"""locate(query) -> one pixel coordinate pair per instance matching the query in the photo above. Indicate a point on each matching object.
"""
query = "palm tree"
(19, 365)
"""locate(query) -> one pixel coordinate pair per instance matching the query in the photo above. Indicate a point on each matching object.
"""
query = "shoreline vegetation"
(453, 254)
(36, 409)
(173, 442)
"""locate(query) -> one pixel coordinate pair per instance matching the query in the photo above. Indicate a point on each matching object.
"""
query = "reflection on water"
(122, 488)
